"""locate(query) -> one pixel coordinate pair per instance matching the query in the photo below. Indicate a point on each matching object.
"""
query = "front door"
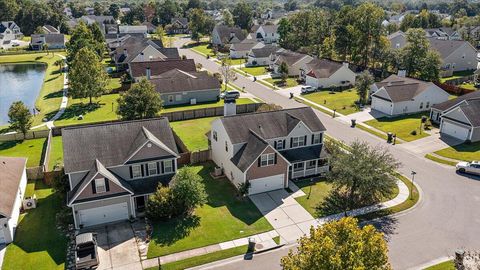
(140, 204)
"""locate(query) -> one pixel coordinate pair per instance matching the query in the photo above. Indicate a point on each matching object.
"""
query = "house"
(9, 31)
(53, 41)
(445, 33)
(261, 56)
(110, 180)
(91, 19)
(150, 27)
(179, 26)
(223, 35)
(401, 95)
(268, 149)
(178, 87)
(456, 55)
(459, 117)
(140, 50)
(133, 29)
(48, 29)
(151, 69)
(13, 179)
(296, 62)
(398, 40)
(324, 73)
(267, 33)
(242, 49)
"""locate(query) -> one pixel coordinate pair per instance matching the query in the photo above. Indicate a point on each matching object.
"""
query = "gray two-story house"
(268, 149)
(112, 168)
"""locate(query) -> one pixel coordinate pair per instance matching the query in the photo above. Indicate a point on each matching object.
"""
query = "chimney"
(229, 107)
(402, 73)
(148, 73)
(125, 53)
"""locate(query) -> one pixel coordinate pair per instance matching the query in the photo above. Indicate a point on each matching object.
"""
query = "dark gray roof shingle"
(249, 152)
(177, 80)
(472, 111)
(11, 171)
(139, 69)
(322, 68)
(453, 102)
(403, 88)
(265, 51)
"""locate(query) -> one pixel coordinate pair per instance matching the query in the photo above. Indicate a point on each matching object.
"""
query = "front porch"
(308, 168)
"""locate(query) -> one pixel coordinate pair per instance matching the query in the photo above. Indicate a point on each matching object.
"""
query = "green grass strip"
(448, 265)
(314, 106)
(372, 131)
(440, 160)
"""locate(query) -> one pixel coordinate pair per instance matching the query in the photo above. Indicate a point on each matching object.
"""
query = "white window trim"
(154, 164)
(267, 160)
(100, 185)
(280, 142)
(317, 138)
(170, 167)
(139, 171)
(297, 144)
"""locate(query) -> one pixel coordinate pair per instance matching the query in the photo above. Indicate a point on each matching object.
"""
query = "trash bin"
(251, 244)
(389, 137)
(354, 122)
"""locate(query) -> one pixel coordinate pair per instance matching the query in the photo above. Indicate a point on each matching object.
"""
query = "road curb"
(268, 249)
(432, 263)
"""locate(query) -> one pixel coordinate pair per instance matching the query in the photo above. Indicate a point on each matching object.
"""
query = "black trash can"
(389, 137)
(354, 122)
(251, 244)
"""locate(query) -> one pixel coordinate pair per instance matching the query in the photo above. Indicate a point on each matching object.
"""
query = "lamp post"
(413, 179)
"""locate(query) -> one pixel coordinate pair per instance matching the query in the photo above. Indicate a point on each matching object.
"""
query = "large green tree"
(140, 102)
(362, 84)
(227, 18)
(8, 10)
(188, 190)
(243, 15)
(200, 23)
(20, 118)
(339, 245)
(87, 77)
(82, 37)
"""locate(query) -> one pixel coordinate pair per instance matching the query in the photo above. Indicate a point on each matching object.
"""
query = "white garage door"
(456, 131)
(2, 236)
(103, 214)
(265, 184)
(381, 105)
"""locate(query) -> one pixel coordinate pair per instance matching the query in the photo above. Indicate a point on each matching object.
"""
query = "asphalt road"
(446, 218)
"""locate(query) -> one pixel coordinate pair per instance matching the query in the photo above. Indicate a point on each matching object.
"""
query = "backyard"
(204, 105)
(56, 153)
(343, 102)
(224, 217)
(38, 245)
(291, 82)
(466, 152)
(402, 126)
(192, 132)
(31, 149)
(255, 71)
(50, 95)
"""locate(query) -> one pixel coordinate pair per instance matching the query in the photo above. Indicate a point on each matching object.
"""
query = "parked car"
(14, 44)
(86, 256)
(307, 89)
(232, 94)
(468, 167)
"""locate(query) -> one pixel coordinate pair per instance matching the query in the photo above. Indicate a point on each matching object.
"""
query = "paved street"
(447, 217)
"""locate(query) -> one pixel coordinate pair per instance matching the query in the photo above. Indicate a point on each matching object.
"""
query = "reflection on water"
(19, 82)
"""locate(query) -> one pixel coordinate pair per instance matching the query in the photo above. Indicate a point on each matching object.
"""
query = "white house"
(401, 95)
(323, 73)
(267, 33)
(242, 49)
(13, 179)
(224, 35)
(261, 56)
(296, 62)
(9, 31)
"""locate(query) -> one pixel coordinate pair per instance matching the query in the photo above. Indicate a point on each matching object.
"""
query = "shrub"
(159, 204)
(188, 191)
(243, 189)
(414, 132)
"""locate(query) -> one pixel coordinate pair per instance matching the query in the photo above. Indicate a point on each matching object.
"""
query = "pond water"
(19, 82)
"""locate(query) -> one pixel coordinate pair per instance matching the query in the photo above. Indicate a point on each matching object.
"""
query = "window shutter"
(305, 140)
(313, 137)
(291, 142)
(275, 159)
(163, 167)
(131, 172)
(173, 165)
(94, 189)
(143, 170)
(321, 136)
(260, 161)
(158, 168)
(284, 142)
(275, 144)
(107, 184)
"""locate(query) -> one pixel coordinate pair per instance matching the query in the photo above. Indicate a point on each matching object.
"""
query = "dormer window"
(279, 145)
(100, 186)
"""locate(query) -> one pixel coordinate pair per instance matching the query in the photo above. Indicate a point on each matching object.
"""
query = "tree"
(159, 204)
(87, 77)
(243, 15)
(199, 23)
(59, 63)
(8, 10)
(362, 176)
(227, 18)
(82, 37)
(283, 70)
(284, 30)
(98, 9)
(188, 190)
(290, 5)
(339, 244)
(166, 10)
(97, 33)
(20, 118)
(228, 74)
(114, 10)
(362, 84)
(140, 102)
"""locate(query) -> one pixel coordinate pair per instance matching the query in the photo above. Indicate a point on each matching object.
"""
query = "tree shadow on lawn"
(169, 232)
(221, 192)
(57, 94)
(53, 78)
(75, 110)
(386, 225)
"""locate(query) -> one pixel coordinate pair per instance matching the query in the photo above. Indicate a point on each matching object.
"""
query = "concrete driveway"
(430, 144)
(117, 248)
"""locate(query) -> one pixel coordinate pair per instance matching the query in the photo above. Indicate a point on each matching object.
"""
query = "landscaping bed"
(401, 125)
(192, 132)
(31, 149)
(466, 152)
(343, 102)
(224, 217)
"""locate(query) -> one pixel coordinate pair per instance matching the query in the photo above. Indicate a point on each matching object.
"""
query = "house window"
(421, 105)
(317, 138)
(280, 145)
(298, 166)
(298, 141)
(428, 104)
(178, 97)
(311, 164)
(267, 160)
(152, 168)
(215, 135)
(100, 185)
(168, 166)
(170, 98)
(136, 171)
(226, 147)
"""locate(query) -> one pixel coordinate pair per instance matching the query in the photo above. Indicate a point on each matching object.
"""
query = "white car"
(307, 89)
(468, 167)
(232, 94)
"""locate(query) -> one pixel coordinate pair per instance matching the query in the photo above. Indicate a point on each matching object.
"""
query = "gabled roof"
(138, 69)
(50, 29)
(7, 25)
(454, 102)
(224, 32)
(269, 28)
(48, 38)
(471, 109)
(177, 80)
(134, 46)
(249, 152)
(289, 57)
(322, 68)
(181, 20)
(403, 88)
(269, 125)
(132, 28)
(446, 47)
(245, 45)
(265, 51)
(11, 172)
(109, 143)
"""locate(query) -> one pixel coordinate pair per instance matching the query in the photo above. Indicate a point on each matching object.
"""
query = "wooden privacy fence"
(458, 81)
(200, 156)
(29, 135)
(453, 89)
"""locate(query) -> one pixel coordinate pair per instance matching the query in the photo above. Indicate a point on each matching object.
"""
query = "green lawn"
(100, 110)
(291, 82)
(448, 265)
(343, 102)
(222, 218)
(255, 71)
(204, 49)
(50, 96)
(440, 160)
(38, 245)
(56, 153)
(192, 132)
(235, 62)
(466, 152)
(204, 105)
(401, 125)
(31, 149)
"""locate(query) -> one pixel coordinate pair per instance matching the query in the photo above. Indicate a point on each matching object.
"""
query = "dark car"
(86, 256)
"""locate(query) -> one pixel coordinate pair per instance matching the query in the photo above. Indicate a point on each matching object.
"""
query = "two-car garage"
(266, 184)
(455, 130)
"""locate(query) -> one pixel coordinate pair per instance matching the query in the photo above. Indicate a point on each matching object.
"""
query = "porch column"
(316, 166)
(304, 168)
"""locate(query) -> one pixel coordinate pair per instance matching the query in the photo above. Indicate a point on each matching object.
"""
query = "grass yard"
(100, 110)
(192, 132)
(255, 71)
(343, 102)
(38, 245)
(50, 96)
(466, 152)
(204, 49)
(31, 149)
(440, 160)
(56, 153)
(291, 82)
(222, 218)
(401, 125)
(204, 105)
(235, 62)
(448, 265)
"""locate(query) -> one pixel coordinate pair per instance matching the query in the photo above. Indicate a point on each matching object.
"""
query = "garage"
(266, 184)
(457, 131)
(105, 214)
(382, 105)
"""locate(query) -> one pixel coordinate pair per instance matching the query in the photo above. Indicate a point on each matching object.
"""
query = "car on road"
(468, 167)
(307, 89)
(232, 94)
(86, 256)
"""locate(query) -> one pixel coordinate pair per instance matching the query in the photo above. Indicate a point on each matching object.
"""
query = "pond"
(19, 82)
